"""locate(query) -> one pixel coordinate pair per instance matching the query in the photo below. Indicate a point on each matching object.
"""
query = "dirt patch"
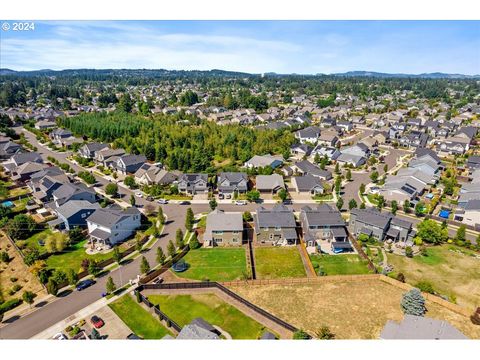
(16, 269)
(351, 309)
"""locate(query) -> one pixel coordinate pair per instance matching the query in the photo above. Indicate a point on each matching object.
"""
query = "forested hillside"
(178, 145)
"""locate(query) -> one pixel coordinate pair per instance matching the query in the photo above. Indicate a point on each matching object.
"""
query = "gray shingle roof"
(418, 327)
(278, 216)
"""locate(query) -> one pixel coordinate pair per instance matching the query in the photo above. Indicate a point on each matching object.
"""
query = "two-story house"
(193, 183)
(223, 229)
(230, 182)
(276, 226)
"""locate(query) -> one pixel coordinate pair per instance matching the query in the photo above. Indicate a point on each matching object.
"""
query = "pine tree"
(179, 238)
(144, 265)
(194, 244)
(110, 285)
(161, 216)
(171, 248)
(189, 219)
(160, 256)
(413, 303)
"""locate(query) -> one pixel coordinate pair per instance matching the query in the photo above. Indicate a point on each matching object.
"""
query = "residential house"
(328, 138)
(470, 213)
(108, 157)
(269, 183)
(89, 151)
(380, 226)
(129, 164)
(308, 135)
(223, 229)
(473, 163)
(45, 182)
(260, 161)
(111, 226)
(276, 226)
(149, 174)
(193, 183)
(230, 182)
(330, 152)
(45, 124)
(308, 184)
(73, 214)
(69, 192)
(22, 173)
(8, 148)
(300, 151)
(305, 167)
(198, 329)
(321, 223)
(420, 328)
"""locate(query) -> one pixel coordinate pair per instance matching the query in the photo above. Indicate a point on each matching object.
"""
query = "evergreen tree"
(171, 249)
(179, 238)
(161, 216)
(160, 256)
(110, 285)
(413, 303)
(352, 204)
(189, 219)
(144, 265)
(194, 244)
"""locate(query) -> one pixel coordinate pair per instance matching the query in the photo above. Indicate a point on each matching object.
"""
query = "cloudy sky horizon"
(303, 47)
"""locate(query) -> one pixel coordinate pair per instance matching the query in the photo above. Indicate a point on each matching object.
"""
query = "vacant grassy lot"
(139, 320)
(16, 270)
(450, 269)
(351, 309)
(73, 256)
(184, 308)
(278, 262)
(215, 264)
(343, 264)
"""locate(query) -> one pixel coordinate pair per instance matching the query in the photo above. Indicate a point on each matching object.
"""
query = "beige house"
(223, 229)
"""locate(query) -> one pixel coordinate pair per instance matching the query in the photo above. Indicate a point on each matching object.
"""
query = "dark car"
(149, 198)
(96, 321)
(85, 284)
(184, 202)
(132, 336)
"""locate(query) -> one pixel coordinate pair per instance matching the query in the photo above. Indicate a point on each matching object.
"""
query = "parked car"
(59, 336)
(221, 196)
(133, 336)
(184, 202)
(149, 198)
(139, 194)
(82, 285)
(241, 202)
(374, 190)
(96, 322)
(162, 201)
(158, 280)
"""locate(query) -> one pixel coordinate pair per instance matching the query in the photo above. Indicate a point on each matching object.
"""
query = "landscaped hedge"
(9, 305)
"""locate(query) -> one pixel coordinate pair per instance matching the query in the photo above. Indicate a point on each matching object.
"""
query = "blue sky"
(304, 47)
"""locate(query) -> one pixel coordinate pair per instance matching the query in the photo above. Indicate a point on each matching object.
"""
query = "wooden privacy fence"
(157, 311)
(222, 288)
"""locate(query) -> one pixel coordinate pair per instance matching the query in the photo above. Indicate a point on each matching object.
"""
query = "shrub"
(301, 335)
(413, 303)
(425, 286)
(9, 305)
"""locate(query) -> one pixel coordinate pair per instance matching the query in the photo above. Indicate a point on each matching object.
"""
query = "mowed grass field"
(215, 264)
(450, 269)
(72, 257)
(278, 262)
(351, 309)
(184, 308)
(139, 320)
(342, 264)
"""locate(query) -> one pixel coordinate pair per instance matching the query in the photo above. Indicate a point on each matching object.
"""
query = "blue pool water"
(8, 203)
(444, 214)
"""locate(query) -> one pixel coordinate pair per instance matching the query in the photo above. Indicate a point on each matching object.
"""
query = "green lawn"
(278, 262)
(32, 241)
(20, 205)
(342, 264)
(139, 320)
(184, 308)
(73, 256)
(215, 264)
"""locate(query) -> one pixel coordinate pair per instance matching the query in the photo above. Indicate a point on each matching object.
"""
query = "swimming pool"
(444, 214)
(8, 203)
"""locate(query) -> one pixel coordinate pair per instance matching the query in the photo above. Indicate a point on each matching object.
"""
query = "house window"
(278, 228)
(234, 240)
(218, 240)
(265, 229)
(271, 236)
(218, 232)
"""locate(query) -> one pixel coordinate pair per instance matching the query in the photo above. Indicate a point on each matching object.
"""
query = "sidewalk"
(82, 314)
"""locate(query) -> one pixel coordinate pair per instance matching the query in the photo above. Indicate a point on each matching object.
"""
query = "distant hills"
(218, 73)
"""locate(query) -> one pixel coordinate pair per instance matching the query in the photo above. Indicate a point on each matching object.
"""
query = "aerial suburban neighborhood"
(171, 204)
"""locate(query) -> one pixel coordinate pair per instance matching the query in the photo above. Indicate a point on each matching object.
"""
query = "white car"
(241, 202)
(374, 190)
(59, 336)
(138, 194)
(162, 201)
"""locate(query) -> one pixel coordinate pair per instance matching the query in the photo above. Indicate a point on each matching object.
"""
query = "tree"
(401, 277)
(282, 194)
(171, 250)
(352, 204)
(93, 268)
(362, 188)
(52, 287)
(338, 184)
(324, 333)
(406, 206)
(461, 233)
(138, 245)
(21, 227)
(362, 205)
(75, 235)
(130, 181)
(189, 219)
(213, 204)
(160, 256)
(413, 303)
(374, 176)
(301, 335)
(194, 244)
(475, 317)
(111, 189)
(394, 207)
(133, 201)
(253, 195)
(247, 216)
(117, 255)
(28, 297)
(348, 175)
(380, 202)
(385, 168)
(419, 208)
(125, 103)
(179, 238)
(339, 203)
(144, 265)
(160, 216)
(431, 232)
(72, 276)
(110, 286)
(408, 251)
(4, 257)
(337, 168)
